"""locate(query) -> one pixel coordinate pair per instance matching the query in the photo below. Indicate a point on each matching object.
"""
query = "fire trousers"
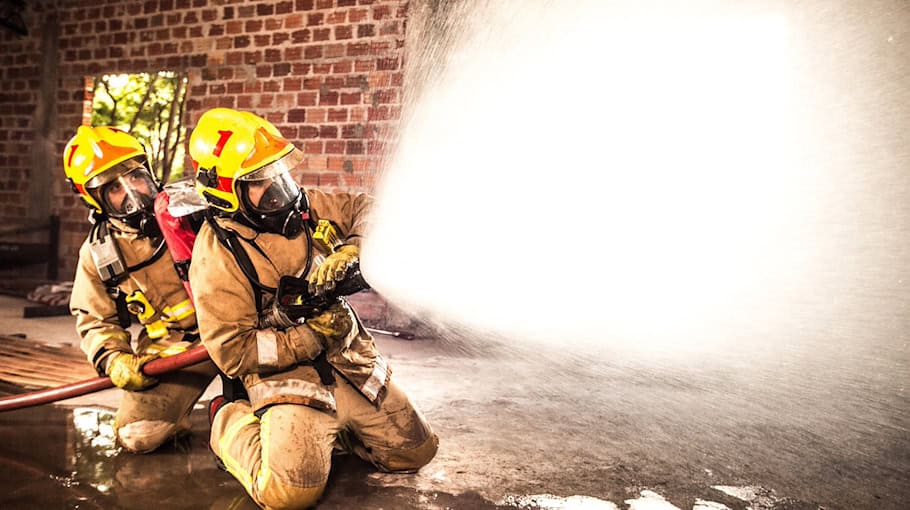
(148, 418)
(283, 458)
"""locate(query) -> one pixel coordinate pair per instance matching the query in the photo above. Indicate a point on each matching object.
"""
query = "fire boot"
(231, 391)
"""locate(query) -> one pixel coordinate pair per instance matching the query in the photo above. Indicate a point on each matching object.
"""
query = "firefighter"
(126, 273)
(312, 382)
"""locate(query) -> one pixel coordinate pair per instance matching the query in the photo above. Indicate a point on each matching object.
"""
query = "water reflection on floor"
(63, 457)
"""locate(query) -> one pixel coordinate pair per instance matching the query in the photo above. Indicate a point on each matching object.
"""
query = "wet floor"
(65, 457)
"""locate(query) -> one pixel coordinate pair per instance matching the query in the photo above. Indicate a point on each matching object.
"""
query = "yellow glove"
(333, 269)
(125, 370)
(335, 323)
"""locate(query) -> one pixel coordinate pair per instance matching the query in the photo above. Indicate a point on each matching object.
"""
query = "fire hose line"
(154, 368)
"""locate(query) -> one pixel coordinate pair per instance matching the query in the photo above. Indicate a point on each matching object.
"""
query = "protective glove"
(336, 324)
(333, 269)
(125, 370)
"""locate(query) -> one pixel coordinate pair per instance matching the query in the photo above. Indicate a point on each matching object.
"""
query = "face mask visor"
(267, 191)
(125, 193)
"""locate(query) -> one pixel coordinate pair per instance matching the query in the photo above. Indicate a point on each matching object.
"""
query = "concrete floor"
(533, 430)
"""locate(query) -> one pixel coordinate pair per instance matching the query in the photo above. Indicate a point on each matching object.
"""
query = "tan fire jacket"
(275, 364)
(171, 315)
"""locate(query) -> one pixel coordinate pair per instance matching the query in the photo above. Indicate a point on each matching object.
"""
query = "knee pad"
(408, 461)
(144, 436)
(278, 496)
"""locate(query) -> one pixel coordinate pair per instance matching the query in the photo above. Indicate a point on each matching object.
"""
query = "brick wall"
(328, 73)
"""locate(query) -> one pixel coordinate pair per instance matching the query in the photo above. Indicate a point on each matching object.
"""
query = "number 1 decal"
(225, 135)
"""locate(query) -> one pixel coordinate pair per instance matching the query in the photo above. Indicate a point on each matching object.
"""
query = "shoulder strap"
(229, 240)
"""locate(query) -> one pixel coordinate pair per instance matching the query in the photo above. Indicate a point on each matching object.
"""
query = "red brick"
(333, 82)
(357, 15)
(315, 19)
(382, 12)
(306, 99)
(304, 5)
(262, 40)
(293, 53)
(301, 36)
(309, 132)
(293, 21)
(271, 86)
(328, 131)
(337, 18)
(274, 117)
(284, 7)
(252, 57)
(328, 98)
(334, 147)
(234, 58)
(282, 69)
(336, 164)
(353, 147)
(265, 100)
(273, 55)
(297, 115)
(313, 147)
(322, 34)
(358, 49)
(272, 24)
(316, 115)
(344, 32)
(325, 4)
(253, 25)
(350, 98)
(292, 84)
(337, 115)
(313, 52)
(279, 37)
(365, 31)
(234, 27)
(342, 67)
(242, 41)
(334, 51)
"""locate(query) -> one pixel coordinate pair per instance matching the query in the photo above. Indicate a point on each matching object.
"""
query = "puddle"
(64, 457)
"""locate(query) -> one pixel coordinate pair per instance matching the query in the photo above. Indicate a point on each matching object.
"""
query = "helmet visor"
(266, 191)
(126, 194)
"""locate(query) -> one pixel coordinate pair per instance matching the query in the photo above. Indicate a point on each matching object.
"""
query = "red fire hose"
(154, 368)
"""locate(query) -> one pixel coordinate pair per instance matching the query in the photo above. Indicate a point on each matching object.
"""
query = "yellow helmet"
(96, 155)
(228, 145)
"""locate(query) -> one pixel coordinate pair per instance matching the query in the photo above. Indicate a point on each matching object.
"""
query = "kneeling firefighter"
(125, 272)
(312, 381)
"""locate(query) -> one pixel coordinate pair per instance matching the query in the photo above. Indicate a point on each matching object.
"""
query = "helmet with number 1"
(243, 167)
(108, 168)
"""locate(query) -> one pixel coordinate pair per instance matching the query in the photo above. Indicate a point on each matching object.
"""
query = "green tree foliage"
(149, 107)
